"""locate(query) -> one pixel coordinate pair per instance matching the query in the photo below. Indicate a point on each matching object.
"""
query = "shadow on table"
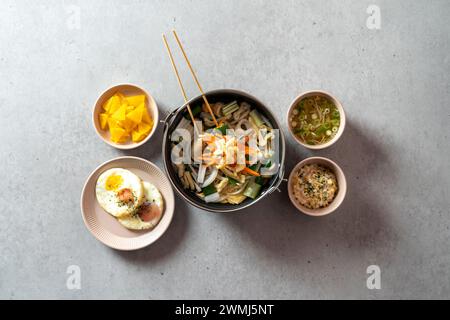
(361, 222)
(167, 244)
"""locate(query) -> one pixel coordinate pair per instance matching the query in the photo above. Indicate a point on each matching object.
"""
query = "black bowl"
(221, 95)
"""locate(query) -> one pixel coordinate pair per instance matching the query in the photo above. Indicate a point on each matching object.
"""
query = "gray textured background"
(393, 83)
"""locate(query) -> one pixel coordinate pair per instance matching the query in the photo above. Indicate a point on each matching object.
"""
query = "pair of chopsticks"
(193, 75)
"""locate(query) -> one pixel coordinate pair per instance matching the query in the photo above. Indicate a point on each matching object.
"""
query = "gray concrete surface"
(393, 83)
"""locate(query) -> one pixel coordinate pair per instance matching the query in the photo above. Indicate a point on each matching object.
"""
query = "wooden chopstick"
(195, 78)
(179, 81)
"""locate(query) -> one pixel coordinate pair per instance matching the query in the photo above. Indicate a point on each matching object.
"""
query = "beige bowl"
(338, 106)
(105, 227)
(342, 185)
(126, 89)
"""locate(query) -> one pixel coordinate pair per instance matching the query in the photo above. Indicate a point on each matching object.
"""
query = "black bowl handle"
(280, 179)
(168, 120)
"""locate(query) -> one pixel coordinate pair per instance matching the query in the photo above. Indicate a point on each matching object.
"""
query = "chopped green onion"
(230, 108)
(257, 118)
(322, 129)
(335, 114)
(232, 181)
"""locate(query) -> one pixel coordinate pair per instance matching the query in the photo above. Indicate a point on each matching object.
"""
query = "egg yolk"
(113, 182)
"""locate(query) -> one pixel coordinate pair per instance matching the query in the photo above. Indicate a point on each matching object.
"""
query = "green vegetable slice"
(260, 180)
(196, 110)
(256, 117)
(230, 108)
(209, 190)
(223, 128)
(252, 190)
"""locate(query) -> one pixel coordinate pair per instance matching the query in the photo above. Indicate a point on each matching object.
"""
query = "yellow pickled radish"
(117, 134)
(135, 100)
(145, 116)
(103, 118)
(150, 123)
(113, 123)
(144, 128)
(107, 105)
(112, 105)
(120, 114)
(128, 125)
(136, 136)
(126, 117)
(130, 108)
(135, 115)
(121, 97)
(125, 136)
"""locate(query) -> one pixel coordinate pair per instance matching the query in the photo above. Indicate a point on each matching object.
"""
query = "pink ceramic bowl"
(105, 227)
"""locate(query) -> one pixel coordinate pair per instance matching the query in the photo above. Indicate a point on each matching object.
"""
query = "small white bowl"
(342, 186)
(338, 106)
(127, 90)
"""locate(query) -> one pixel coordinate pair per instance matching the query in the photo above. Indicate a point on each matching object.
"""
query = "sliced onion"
(201, 173)
(212, 176)
(197, 148)
(190, 128)
(183, 124)
(215, 197)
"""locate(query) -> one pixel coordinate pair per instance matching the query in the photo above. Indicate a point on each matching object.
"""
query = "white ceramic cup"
(338, 106)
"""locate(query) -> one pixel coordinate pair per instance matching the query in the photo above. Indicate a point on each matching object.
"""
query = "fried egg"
(119, 192)
(149, 213)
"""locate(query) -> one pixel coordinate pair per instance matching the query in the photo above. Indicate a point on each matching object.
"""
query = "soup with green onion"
(315, 120)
